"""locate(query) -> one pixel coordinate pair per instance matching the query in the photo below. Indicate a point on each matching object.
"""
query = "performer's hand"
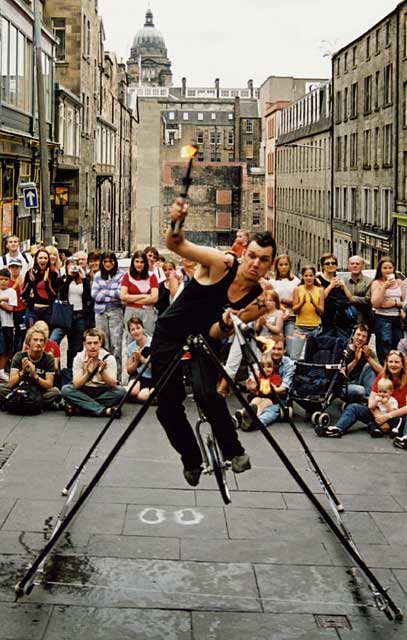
(179, 210)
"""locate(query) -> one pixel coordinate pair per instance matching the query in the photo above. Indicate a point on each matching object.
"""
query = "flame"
(265, 386)
(266, 344)
(189, 151)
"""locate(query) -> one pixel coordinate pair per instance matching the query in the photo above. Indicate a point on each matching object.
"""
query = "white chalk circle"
(188, 517)
(157, 516)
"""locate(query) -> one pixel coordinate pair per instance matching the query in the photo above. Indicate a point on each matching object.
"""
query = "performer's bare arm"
(212, 263)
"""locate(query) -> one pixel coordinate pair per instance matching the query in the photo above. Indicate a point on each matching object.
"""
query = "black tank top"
(199, 306)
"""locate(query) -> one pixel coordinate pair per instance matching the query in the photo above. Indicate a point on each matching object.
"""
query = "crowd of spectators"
(112, 312)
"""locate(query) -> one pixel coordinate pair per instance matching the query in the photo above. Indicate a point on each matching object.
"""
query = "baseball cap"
(15, 262)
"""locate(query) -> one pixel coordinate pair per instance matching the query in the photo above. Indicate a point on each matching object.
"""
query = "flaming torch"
(188, 152)
(266, 344)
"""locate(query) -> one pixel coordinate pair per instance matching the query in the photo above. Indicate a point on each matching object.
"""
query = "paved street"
(149, 558)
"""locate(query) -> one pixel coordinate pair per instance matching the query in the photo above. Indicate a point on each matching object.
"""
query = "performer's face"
(256, 261)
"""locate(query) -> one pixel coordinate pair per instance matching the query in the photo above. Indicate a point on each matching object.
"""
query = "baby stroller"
(319, 379)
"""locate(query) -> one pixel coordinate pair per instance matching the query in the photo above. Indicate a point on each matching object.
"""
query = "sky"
(237, 40)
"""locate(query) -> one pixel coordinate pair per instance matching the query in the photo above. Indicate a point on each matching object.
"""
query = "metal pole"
(151, 225)
(42, 129)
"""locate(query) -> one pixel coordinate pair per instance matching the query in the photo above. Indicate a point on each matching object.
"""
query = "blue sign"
(30, 197)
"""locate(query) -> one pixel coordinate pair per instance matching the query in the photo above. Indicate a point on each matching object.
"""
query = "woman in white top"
(284, 282)
(387, 297)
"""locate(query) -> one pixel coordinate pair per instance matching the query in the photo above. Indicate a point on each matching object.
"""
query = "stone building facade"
(19, 144)
(271, 126)
(303, 177)
(148, 63)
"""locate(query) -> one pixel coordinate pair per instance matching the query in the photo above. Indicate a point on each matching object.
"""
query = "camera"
(75, 268)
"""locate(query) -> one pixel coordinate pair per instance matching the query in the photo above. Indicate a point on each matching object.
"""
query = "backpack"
(25, 400)
(23, 253)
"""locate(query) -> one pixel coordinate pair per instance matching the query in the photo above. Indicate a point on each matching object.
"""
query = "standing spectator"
(138, 353)
(241, 241)
(40, 289)
(8, 301)
(14, 251)
(271, 323)
(284, 282)
(139, 292)
(388, 294)
(335, 318)
(308, 307)
(359, 286)
(56, 262)
(94, 389)
(165, 289)
(36, 367)
(94, 259)
(75, 289)
(362, 365)
(82, 258)
(64, 254)
(108, 306)
(395, 370)
(153, 266)
(16, 281)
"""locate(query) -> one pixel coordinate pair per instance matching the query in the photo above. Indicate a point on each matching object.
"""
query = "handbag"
(25, 399)
(62, 314)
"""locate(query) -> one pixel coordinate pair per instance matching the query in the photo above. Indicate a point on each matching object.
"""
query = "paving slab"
(249, 499)
(250, 524)
(261, 626)
(368, 628)
(23, 621)
(6, 506)
(157, 584)
(321, 590)
(394, 528)
(133, 495)
(351, 502)
(173, 521)
(274, 479)
(83, 623)
(133, 547)
(30, 543)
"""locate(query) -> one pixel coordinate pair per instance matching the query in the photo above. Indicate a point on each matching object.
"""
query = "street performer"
(220, 284)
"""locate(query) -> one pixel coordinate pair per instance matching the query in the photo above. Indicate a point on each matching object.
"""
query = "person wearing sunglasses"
(337, 299)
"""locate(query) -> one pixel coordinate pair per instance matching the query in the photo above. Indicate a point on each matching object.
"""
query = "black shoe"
(328, 432)
(400, 442)
(192, 476)
(376, 433)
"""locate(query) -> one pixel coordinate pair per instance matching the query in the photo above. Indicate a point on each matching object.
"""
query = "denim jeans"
(74, 335)
(360, 387)
(388, 334)
(93, 400)
(289, 329)
(299, 340)
(352, 414)
(33, 314)
(112, 324)
(270, 414)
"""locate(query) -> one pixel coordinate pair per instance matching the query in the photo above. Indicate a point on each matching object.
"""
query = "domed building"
(148, 63)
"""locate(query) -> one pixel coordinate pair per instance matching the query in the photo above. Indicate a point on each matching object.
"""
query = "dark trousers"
(171, 411)
(20, 330)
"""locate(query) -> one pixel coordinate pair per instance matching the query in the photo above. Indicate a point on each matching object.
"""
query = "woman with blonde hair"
(56, 262)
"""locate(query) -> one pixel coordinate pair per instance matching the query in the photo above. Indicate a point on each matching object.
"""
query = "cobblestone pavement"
(150, 558)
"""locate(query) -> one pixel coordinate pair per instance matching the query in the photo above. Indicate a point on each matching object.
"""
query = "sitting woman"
(395, 370)
(75, 289)
(139, 292)
(308, 307)
(138, 353)
(387, 295)
(40, 289)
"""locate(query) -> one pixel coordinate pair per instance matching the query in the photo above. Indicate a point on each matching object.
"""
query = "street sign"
(30, 195)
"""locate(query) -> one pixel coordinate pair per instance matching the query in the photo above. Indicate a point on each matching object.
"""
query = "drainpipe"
(394, 234)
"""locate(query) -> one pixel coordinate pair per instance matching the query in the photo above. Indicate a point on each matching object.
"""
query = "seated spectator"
(50, 346)
(388, 295)
(338, 317)
(284, 281)
(362, 365)
(8, 302)
(34, 366)
(308, 307)
(271, 324)
(359, 286)
(94, 389)
(138, 353)
(384, 402)
(279, 369)
(395, 370)
(16, 281)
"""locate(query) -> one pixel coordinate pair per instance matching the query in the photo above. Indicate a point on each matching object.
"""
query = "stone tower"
(149, 64)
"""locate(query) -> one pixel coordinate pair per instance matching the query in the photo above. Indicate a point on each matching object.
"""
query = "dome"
(148, 37)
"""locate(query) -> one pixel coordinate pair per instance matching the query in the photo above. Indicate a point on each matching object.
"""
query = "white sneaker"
(3, 376)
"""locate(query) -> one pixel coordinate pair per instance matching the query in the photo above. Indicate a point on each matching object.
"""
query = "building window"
(338, 153)
(404, 193)
(58, 25)
(367, 145)
(345, 62)
(231, 137)
(377, 91)
(200, 116)
(387, 85)
(353, 204)
(345, 104)
(200, 137)
(376, 207)
(354, 100)
(345, 153)
(200, 156)
(171, 115)
(405, 35)
(88, 37)
(376, 147)
(368, 48)
(185, 115)
(386, 209)
(405, 104)
(337, 209)
(387, 145)
(215, 137)
(230, 116)
(338, 67)
(354, 56)
(353, 160)
(338, 107)
(213, 116)
(365, 211)
(249, 126)
(367, 103)
(377, 41)
(387, 33)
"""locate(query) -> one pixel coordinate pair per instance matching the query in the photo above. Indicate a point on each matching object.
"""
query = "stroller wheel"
(315, 417)
(288, 412)
(323, 420)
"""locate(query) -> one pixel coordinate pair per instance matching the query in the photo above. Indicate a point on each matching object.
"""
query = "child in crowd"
(272, 322)
(138, 353)
(260, 395)
(8, 300)
(385, 402)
